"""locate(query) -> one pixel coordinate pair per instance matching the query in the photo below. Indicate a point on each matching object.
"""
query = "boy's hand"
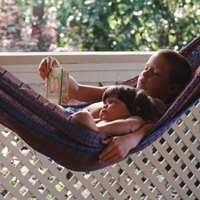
(46, 65)
(117, 148)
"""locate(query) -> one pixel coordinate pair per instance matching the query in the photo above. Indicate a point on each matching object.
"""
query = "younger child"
(165, 74)
(125, 110)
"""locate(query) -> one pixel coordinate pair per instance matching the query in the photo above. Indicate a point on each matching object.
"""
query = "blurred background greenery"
(97, 25)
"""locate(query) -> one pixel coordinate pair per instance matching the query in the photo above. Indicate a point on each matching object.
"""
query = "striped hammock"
(55, 134)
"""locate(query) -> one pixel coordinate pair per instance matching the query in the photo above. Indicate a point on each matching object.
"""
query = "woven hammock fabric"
(55, 134)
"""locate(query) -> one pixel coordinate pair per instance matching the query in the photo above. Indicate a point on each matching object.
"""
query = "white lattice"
(168, 169)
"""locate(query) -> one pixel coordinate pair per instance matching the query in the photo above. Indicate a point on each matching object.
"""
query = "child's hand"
(46, 65)
(117, 148)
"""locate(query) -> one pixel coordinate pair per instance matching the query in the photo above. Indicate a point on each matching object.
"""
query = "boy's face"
(154, 78)
(113, 109)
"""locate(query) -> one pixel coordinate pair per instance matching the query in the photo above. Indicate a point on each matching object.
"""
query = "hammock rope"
(55, 134)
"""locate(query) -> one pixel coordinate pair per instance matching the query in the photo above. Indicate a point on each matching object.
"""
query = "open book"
(57, 86)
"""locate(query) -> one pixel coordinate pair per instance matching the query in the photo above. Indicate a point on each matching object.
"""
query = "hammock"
(55, 134)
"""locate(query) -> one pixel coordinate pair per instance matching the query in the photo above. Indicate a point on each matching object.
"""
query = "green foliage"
(101, 25)
(128, 25)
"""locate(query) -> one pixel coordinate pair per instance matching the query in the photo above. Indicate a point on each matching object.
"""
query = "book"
(57, 86)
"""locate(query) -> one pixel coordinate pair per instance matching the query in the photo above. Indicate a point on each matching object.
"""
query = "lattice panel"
(168, 169)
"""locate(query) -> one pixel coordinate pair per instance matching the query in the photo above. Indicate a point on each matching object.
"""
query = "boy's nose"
(145, 73)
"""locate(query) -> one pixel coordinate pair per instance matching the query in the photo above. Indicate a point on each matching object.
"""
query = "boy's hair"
(180, 71)
(150, 109)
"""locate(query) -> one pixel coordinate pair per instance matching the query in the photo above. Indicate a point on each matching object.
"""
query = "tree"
(98, 25)
(129, 25)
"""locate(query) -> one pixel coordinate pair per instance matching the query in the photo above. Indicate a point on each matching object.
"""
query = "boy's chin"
(140, 86)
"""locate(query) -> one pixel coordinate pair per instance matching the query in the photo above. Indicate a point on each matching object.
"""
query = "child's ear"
(174, 88)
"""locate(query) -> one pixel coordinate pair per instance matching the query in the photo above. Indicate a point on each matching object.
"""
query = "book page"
(54, 85)
(65, 86)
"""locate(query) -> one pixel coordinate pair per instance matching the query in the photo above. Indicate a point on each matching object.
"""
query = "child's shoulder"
(136, 119)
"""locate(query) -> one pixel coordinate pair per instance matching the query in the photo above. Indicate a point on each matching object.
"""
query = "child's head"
(124, 93)
(180, 69)
(165, 74)
(137, 102)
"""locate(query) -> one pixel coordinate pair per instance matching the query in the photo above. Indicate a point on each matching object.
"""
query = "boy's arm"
(77, 91)
(86, 93)
(118, 147)
(121, 126)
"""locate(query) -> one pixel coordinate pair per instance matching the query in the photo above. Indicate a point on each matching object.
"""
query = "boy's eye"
(156, 73)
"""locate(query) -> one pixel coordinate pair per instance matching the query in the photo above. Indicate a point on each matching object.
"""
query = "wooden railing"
(167, 169)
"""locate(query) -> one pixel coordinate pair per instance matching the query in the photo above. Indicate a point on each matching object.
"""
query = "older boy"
(165, 74)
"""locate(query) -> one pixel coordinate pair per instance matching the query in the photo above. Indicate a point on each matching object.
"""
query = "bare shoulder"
(95, 108)
(136, 119)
